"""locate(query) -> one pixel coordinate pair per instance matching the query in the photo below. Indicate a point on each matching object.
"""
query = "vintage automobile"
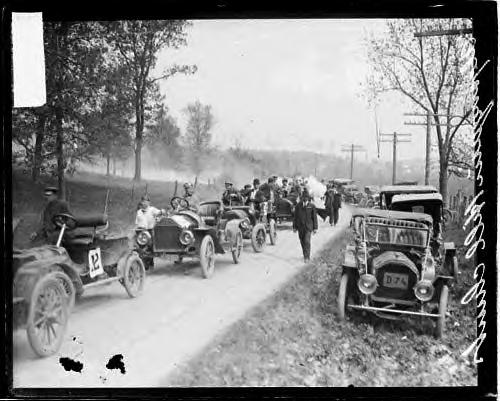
(351, 194)
(285, 207)
(388, 191)
(431, 204)
(79, 260)
(389, 269)
(214, 213)
(185, 233)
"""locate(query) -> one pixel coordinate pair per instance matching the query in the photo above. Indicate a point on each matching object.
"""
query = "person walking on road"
(329, 201)
(305, 221)
(337, 204)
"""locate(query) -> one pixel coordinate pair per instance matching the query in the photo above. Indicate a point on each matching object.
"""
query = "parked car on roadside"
(389, 268)
(79, 260)
(388, 191)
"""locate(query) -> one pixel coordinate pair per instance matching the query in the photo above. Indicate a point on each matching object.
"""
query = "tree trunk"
(59, 153)
(37, 158)
(108, 163)
(114, 165)
(139, 127)
(443, 182)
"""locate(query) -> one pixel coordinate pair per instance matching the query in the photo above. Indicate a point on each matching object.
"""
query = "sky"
(290, 84)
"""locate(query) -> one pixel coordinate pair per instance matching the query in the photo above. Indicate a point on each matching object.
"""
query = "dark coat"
(305, 218)
(54, 207)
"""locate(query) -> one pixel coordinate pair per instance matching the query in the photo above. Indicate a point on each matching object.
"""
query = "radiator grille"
(166, 238)
(395, 293)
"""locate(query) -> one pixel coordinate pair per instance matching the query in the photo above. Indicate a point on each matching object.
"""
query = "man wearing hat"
(245, 194)
(230, 195)
(48, 232)
(305, 221)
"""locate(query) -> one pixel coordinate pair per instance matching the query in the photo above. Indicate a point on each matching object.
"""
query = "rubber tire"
(273, 234)
(207, 267)
(255, 231)
(239, 246)
(68, 286)
(342, 297)
(443, 306)
(129, 287)
(40, 349)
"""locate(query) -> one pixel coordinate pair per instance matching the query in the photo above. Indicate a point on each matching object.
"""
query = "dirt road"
(176, 316)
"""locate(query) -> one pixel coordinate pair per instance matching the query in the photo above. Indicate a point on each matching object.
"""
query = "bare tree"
(434, 72)
(198, 132)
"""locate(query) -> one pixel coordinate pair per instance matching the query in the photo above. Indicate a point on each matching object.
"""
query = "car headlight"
(367, 284)
(424, 290)
(143, 238)
(245, 224)
(186, 237)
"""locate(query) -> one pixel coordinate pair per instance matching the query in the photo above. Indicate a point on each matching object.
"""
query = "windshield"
(396, 235)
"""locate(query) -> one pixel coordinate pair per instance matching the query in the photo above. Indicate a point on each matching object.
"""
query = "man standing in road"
(305, 221)
(337, 204)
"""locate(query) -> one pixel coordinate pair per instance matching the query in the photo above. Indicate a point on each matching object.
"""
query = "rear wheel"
(259, 238)
(207, 256)
(134, 275)
(273, 234)
(48, 316)
(443, 306)
(342, 297)
(238, 246)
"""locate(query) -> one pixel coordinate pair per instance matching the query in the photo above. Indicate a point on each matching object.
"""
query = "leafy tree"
(433, 72)
(163, 138)
(198, 132)
(136, 45)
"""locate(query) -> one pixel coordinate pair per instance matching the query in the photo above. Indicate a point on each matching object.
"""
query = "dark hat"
(187, 185)
(228, 183)
(256, 181)
(248, 186)
(50, 191)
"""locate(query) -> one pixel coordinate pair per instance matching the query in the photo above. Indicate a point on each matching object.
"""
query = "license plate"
(95, 262)
(395, 280)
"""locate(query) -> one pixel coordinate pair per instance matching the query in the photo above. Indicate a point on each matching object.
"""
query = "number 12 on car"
(95, 262)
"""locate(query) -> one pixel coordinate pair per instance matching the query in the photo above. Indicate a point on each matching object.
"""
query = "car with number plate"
(185, 233)
(389, 268)
(47, 279)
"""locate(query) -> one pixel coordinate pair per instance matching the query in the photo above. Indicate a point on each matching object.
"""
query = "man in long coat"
(305, 221)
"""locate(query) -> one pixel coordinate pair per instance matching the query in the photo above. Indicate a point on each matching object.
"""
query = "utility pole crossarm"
(353, 148)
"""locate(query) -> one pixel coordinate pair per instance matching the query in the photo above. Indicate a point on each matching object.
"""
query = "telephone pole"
(395, 140)
(352, 148)
(429, 116)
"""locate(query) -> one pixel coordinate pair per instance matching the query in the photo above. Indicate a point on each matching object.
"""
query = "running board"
(102, 282)
(384, 310)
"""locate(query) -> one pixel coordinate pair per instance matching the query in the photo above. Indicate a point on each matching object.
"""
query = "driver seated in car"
(48, 232)
(146, 214)
(230, 195)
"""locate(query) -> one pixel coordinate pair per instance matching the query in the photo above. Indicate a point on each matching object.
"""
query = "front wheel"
(443, 306)
(207, 256)
(259, 237)
(48, 316)
(342, 297)
(68, 286)
(273, 234)
(133, 276)
(238, 246)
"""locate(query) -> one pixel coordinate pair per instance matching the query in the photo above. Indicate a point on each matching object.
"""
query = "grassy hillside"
(86, 193)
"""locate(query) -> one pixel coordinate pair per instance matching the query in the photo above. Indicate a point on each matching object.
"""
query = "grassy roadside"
(294, 339)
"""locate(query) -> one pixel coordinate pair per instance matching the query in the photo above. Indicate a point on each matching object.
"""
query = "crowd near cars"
(396, 265)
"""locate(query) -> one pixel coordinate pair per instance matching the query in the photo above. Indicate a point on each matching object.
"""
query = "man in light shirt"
(146, 214)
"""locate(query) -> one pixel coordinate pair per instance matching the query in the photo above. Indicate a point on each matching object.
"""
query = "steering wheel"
(179, 203)
(64, 218)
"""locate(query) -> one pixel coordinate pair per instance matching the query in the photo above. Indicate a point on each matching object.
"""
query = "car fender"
(232, 229)
(200, 232)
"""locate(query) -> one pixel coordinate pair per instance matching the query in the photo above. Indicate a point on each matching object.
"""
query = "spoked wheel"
(68, 286)
(443, 306)
(207, 256)
(342, 297)
(133, 276)
(258, 238)
(238, 246)
(48, 316)
(273, 233)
